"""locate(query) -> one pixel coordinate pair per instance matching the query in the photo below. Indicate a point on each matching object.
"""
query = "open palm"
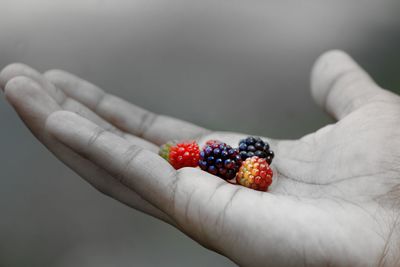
(335, 199)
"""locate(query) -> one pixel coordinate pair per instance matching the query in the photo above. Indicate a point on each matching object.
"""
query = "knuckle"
(132, 152)
(146, 123)
(347, 79)
(129, 156)
(54, 75)
(97, 134)
(102, 98)
(62, 79)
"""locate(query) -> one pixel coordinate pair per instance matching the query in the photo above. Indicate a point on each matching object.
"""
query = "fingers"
(341, 86)
(65, 102)
(18, 69)
(174, 192)
(33, 105)
(78, 108)
(158, 129)
(133, 166)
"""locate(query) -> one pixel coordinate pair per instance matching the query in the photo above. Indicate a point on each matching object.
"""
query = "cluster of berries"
(249, 163)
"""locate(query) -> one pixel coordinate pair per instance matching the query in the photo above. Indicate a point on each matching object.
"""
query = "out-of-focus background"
(229, 65)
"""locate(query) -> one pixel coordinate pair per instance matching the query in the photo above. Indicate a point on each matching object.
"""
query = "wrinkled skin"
(335, 199)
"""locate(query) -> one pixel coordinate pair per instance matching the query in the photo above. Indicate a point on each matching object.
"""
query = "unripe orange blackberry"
(255, 173)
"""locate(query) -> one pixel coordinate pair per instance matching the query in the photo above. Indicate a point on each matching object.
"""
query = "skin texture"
(335, 199)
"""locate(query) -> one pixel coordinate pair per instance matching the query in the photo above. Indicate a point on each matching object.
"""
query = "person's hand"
(335, 199)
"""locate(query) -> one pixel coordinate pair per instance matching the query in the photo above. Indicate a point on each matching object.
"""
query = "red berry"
(255, 173)
(183, 154)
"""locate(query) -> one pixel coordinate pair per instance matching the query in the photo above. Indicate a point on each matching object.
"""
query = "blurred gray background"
(229, 65)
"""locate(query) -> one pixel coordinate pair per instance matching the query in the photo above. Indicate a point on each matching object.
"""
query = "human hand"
(336, 192)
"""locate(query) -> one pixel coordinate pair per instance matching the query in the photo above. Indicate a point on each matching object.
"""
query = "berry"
(255, 146)
(220, 159)
(211, 142)
(255, 173)
(182, 154)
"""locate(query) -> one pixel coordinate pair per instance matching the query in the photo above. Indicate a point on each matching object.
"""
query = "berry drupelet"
(255, 146)
(220, 159)
(211, 142)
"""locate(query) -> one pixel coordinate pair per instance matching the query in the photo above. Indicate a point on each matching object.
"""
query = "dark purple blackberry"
(221, 160)
(255, 146)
